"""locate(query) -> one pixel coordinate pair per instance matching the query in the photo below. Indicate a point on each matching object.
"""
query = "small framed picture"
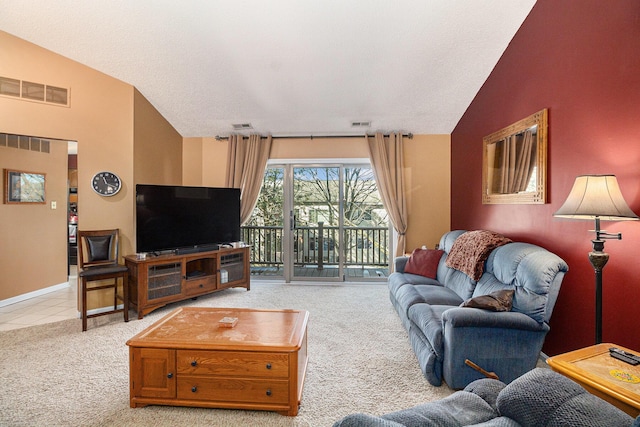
(24, 187)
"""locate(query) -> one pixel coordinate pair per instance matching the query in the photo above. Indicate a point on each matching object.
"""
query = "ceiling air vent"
(31, 91)
(242, 126)
(360, 124)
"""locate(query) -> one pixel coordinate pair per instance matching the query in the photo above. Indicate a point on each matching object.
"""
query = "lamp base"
(598, 260)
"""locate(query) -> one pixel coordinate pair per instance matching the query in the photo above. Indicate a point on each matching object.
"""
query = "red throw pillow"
(424, 262)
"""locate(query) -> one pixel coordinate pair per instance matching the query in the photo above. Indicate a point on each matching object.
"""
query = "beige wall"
(428, 179)
(31, 233)
(319, 148)
(157, 149)
(214, 162)
(192, 162)
(204, 162)
(101, 119)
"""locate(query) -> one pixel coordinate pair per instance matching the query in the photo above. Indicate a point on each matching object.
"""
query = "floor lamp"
(597, 197)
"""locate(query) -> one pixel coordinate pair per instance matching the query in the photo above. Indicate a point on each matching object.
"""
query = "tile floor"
(48, 308)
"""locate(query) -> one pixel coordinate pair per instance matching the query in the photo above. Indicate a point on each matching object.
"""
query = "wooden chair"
(98, 261)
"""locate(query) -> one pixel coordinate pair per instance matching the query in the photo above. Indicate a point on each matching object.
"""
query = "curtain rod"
(406, 135)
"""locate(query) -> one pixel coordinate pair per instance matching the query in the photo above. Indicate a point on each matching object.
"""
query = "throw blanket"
(471, 249)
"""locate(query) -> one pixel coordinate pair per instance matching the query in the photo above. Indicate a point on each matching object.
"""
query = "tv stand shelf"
(160, 280)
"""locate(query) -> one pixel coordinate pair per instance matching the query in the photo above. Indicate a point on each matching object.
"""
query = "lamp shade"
(596, 196)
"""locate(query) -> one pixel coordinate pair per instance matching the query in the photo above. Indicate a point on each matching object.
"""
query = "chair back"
(98, 248)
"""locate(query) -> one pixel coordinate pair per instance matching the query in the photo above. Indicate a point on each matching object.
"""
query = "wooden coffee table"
(610, 379)
(188, 359)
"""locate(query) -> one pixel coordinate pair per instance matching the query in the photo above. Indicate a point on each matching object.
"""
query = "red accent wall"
(581, 60)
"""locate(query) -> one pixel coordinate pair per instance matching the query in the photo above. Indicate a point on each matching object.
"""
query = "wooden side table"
(610, 379)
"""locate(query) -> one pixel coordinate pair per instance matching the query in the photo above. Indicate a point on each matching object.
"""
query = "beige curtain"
(517, 162)
(387, 159)
(247, 160)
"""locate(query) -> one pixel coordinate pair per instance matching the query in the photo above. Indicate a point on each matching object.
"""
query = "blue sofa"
(444, 335)
(540, 397)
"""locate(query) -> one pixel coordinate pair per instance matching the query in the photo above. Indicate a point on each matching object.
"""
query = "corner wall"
(157, 148)
(580, 60)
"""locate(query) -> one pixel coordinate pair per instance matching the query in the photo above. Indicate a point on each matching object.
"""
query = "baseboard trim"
(33, 294)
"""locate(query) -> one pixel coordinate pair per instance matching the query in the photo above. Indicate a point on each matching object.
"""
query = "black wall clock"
(106, 183)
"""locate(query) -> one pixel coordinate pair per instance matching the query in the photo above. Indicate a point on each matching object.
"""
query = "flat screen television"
(178, 217)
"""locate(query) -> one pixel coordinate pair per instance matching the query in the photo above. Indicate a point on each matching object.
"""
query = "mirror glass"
(514, 162)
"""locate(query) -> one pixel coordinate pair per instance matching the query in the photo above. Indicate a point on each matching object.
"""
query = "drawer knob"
(202, 285)
(268, 392)
(194, 363)
(194, 389)
(268, 365)
(170, 375)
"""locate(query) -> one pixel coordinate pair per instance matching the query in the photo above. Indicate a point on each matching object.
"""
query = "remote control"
(624, 353)
(627, 357)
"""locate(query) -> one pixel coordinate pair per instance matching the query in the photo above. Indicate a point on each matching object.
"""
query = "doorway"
(72, 207)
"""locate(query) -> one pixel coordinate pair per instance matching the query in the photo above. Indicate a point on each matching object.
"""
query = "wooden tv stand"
(156, 281)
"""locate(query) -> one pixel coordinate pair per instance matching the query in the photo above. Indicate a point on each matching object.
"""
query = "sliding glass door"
(319, 222)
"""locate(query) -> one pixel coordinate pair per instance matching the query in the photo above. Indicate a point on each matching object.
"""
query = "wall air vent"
(360, 124)
(24, 142)
(33, 91)
(38, 92)
(242, 126)
(9, 87)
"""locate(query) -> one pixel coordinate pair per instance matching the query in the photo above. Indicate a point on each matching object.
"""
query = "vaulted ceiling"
(287, 67)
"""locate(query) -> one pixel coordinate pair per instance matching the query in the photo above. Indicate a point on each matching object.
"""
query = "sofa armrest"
(506, 343)
(399, 263)
(542, 397)
(460, 317)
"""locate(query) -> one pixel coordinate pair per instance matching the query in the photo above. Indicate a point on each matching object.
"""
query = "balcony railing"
(320, 246)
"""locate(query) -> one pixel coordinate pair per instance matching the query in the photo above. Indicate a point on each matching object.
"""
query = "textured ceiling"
(288, 67)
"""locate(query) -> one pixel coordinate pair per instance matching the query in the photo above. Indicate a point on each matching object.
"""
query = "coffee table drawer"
(233, 363)
(233, 389)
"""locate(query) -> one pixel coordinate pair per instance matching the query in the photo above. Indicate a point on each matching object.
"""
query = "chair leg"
(83, 309)
(115, 294)
(125, 295)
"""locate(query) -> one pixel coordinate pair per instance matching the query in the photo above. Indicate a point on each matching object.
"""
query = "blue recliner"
(538, 398)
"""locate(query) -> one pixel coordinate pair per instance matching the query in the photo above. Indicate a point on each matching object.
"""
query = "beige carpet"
(360, 360)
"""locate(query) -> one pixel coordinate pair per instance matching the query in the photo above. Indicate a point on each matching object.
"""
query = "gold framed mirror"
(514, 162)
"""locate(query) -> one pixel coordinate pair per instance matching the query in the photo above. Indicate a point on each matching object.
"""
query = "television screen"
(172, 217)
